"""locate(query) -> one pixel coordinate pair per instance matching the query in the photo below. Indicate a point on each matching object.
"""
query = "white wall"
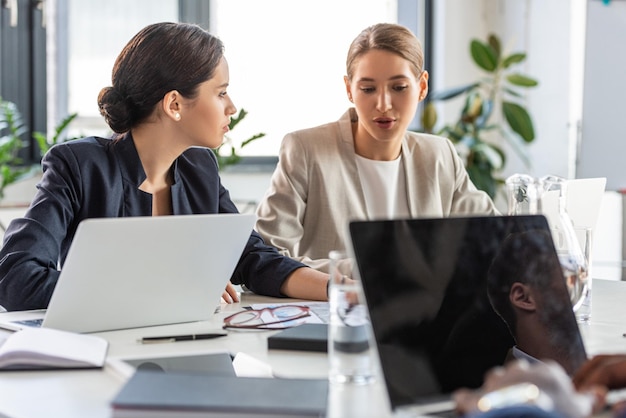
(552, 34)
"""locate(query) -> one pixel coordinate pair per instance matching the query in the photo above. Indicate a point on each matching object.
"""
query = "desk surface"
(88, 392)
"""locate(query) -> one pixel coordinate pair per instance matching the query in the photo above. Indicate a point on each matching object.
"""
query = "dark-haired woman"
(167, 104)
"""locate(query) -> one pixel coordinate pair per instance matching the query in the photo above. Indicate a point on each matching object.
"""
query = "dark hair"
(387, 37)
(160, 58)
(528, 258)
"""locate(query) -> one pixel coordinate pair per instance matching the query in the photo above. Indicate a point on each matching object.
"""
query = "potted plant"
(45, 143)
(497, 91)
(12, 167)
(11, 129)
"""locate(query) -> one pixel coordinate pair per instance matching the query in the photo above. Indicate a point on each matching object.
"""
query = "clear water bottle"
(350, 352)
(573, 259)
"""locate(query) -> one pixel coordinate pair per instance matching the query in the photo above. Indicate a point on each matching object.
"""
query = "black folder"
(179, 394)
(305, 337)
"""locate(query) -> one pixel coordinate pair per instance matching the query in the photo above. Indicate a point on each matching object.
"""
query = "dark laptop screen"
(426, 282)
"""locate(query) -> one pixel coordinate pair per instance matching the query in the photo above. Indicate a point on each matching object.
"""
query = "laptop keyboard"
(30, 322)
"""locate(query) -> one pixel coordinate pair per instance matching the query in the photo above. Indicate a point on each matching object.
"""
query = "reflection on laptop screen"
(426, 283)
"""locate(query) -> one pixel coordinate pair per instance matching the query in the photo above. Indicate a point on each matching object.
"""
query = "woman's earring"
(350, 97)
(177, 116)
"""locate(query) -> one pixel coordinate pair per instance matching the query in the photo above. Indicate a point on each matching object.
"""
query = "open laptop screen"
(426, 283)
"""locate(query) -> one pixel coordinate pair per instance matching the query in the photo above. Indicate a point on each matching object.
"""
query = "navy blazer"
(94, 178)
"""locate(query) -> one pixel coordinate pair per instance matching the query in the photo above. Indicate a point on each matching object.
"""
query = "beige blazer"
(315, 190)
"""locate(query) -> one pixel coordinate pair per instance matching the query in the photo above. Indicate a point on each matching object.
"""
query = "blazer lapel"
(348, 158)
(411, 181)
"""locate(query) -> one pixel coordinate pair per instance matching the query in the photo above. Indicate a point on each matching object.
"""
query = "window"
(23, 65)
(287, 60)
(95, 34)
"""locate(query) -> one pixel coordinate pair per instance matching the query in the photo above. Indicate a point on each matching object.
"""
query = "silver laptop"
(430, 286)
(142, 271)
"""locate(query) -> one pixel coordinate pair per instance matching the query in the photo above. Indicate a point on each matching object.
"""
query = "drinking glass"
(584, 235)
(350, 351)
(568, 247)
(523, 194)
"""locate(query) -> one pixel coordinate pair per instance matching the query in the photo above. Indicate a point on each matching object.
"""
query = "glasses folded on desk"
(277, 317)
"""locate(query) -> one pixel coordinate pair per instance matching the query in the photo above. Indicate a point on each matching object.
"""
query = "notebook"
(177, 394)
(426, 284)
(141, 271)
(583, 201)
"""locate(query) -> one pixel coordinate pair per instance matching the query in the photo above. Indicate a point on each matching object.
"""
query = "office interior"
(287, 62)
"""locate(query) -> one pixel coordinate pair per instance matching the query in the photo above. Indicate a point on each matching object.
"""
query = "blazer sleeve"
(280, 215)
(33, 244)
(260, 268)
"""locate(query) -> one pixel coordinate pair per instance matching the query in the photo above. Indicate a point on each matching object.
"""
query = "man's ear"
(521, 296)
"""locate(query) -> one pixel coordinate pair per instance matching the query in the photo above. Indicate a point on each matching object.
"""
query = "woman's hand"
(230, 295)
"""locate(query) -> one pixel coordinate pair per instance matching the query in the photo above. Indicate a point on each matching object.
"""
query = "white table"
(87, 393)
(605, 332)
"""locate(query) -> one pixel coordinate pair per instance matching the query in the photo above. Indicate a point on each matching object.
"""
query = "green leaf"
(484, 116)
(473, 107)
(482, 179)
(511, 92)
(494, 42)
(452, 133)
(518, 145)
(519, 120)
(521, 80)
(513, 59)
(236, 119)
(453, 92)
(484, 55)
(62, 126)
(429, 117)
(252, 138)
(44, 143)
(491, 154)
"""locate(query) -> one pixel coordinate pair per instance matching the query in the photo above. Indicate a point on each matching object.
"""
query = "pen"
(187, 337)
(9, 327)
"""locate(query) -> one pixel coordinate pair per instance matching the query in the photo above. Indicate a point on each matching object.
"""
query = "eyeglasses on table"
(267, 318)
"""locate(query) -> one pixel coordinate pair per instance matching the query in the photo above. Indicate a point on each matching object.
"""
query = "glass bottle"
(523, 194)
(571, 256)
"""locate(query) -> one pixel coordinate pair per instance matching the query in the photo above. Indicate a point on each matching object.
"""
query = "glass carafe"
(523, 194)
(571, 256)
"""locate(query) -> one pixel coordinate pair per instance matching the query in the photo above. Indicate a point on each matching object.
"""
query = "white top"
(384, 187)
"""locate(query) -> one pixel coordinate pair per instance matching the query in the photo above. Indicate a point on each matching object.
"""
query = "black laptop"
(428, 283)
